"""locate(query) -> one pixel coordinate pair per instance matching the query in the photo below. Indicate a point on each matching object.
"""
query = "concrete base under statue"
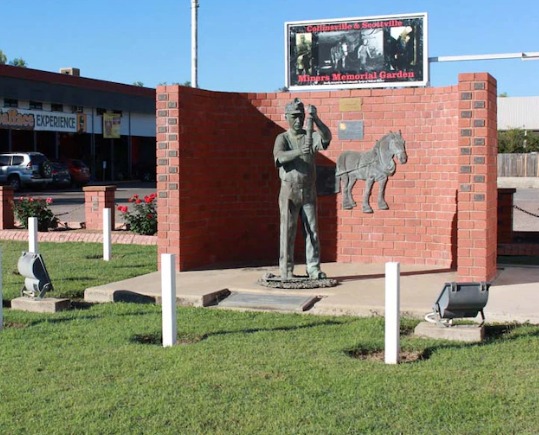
(296, 283)
(40, 305)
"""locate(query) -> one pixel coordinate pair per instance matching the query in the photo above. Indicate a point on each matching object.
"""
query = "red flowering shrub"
(142, 219)
(27, 207)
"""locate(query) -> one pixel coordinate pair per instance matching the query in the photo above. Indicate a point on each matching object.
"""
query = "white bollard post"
(106, 233)
(168, 299)
(392, 314)
(1, 304)
(32, 235)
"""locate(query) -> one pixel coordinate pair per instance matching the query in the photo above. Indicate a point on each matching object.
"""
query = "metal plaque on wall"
(350, 130)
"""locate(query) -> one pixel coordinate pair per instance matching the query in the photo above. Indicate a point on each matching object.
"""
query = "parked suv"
(25, 169)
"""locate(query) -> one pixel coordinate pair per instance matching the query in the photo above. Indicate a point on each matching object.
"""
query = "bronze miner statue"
(294, 155)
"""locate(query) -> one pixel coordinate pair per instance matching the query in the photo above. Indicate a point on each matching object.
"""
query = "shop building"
(110, 126)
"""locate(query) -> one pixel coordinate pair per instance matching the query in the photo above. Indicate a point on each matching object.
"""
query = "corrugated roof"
(518, 112)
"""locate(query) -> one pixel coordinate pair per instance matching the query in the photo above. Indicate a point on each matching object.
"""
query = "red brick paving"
(117, 237)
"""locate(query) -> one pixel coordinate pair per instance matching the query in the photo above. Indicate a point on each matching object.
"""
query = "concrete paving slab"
(268, 302)
(37, 305)
(465, 333)
(513, 295)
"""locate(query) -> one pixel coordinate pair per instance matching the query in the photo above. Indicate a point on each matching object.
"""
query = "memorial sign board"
(368, 52)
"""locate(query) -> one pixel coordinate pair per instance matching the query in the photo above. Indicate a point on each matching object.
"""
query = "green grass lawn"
(101, 369)
(73, 267)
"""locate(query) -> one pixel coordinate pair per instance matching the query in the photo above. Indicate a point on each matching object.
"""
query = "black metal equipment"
(36, 277)
(459, 300)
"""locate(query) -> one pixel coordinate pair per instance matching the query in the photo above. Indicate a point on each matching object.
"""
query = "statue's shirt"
(300, 171)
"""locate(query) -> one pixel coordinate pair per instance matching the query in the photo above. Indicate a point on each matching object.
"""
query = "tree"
(166, 84)
(18, 61)
(517, 140)
(532, 142)
(503, 95)
(138, 84)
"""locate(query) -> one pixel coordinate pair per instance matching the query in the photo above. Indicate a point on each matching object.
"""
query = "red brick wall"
(505, 215)
(418, 227)
(215, 178)
(218, 187)
(7, 218)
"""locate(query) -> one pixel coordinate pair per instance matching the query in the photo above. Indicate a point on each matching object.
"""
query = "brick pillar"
(168, 173)
(477, 193)
(7, 219)
(96, 198)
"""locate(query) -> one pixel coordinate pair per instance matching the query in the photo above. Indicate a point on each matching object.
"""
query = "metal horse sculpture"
(339, 54)
(374, 165)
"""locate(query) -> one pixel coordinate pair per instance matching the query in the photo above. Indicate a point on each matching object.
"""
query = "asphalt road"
(526, 216)
(68, 204)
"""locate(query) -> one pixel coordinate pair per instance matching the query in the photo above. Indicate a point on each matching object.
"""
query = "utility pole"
(194, 43)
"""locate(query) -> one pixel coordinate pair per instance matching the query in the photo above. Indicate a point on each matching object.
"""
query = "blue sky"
(241, 42)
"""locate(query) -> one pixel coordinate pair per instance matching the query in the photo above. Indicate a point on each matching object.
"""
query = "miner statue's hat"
(295, 106)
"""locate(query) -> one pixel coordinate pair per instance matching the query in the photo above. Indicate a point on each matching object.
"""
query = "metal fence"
(517, 165)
